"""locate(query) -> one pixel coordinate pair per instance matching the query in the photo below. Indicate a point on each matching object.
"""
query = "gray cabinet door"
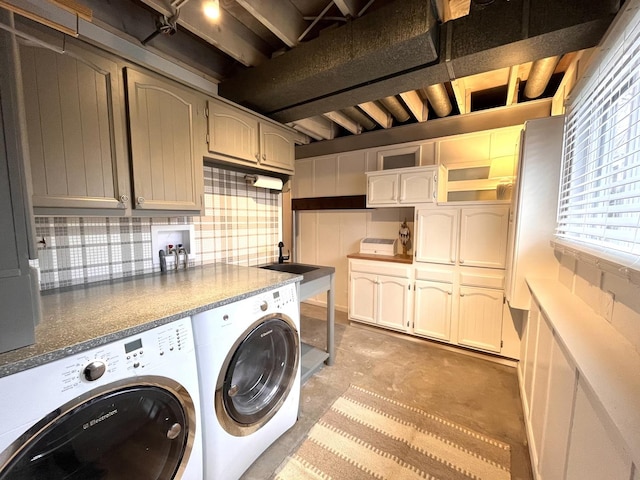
(233, 133)
(277, 147)
(165, 153)
(75, 128)
(18, 285)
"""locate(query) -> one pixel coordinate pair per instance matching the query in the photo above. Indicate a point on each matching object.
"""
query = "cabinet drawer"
(380, 268)
(482, 277)
(436, 274)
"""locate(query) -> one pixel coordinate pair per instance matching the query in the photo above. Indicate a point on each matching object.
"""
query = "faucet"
(282, 258)
(186, 256)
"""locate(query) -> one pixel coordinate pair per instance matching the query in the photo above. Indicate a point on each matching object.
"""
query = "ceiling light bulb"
(212, 9)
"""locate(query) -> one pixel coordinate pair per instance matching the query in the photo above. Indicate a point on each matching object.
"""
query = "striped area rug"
(365, 435)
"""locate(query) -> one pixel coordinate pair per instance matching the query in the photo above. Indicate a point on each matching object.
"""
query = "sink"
(297, 268)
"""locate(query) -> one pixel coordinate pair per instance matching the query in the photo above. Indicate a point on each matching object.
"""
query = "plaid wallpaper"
(240, 226)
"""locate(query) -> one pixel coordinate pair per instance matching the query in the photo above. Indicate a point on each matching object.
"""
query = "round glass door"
(260, 374)
(136, 432)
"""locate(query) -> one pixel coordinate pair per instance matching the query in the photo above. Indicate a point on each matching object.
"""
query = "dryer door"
(138, 431)
(260, 372)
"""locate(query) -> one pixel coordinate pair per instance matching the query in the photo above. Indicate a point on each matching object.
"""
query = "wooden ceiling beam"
(513, 85)
(381, 116)
(462, 94)
(317, 127)
(228, 35)
(345, 122)
(418, 107)
(281, 17)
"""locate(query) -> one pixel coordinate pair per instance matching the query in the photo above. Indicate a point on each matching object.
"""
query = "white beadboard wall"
(326, 237)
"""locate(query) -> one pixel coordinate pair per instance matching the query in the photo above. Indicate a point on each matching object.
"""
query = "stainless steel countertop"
(80, 318)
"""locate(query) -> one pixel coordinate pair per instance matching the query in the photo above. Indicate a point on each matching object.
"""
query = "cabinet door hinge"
(504, 299)
(207, 138)
(408, 287)
(501, 343)
(206, 112)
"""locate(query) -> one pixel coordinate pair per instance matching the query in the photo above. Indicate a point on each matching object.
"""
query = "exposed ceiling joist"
(381, 116)
(513, 85)
(322, 75)
(462, 94)
(349, 8)
(228, 35)
(399, 36)
(281, 17)
(317, 127)
(416, 105)
(345, 122)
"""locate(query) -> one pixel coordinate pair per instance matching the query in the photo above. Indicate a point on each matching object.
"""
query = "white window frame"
(599, 201)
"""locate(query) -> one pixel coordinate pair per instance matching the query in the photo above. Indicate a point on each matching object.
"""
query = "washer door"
(258, 375)
(137, 431)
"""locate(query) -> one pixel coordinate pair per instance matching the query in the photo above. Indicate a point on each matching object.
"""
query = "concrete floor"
(467, 389)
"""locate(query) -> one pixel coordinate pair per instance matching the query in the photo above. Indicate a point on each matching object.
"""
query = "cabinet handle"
(140, 200)
(264, 156)
(461, 294)
(449, 293)
(124, 198)
(257, 156)
(461, 261)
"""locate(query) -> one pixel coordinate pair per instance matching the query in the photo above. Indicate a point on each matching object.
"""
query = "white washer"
(249, 371)
(128, 409)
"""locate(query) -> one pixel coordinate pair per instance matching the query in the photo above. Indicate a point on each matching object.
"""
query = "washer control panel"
(127, 357)
(275, 300)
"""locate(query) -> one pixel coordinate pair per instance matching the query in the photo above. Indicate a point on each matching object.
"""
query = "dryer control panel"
(123, 358)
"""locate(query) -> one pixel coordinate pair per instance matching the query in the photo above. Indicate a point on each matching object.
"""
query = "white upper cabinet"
(383, 189)
(483, 236)
(403, 186)
(437, 238)
(470, 236)
(417, 187)
(236, 136)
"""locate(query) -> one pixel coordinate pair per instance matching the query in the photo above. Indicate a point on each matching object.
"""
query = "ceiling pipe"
(439, 99)
(539, 76)
(359, 117)
(395, 108)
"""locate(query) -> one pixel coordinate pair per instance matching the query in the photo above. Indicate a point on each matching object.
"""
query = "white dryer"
(127, 409)
(249, 371)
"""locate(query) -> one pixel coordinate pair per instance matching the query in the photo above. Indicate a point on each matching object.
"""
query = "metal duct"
(395, 108)
(357, 116)
(539, 76)
(439, 99)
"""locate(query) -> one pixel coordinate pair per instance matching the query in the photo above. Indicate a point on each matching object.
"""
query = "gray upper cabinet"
(233, 133)
(238, 137)
(165, 122)
(75, 129)
(277, 148)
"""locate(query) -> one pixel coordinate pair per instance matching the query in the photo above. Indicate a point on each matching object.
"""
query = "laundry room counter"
(76, 319)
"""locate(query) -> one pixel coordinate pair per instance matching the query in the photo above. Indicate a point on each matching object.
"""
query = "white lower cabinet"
(571, 437)
(380, 295)
(457, 305)
(434, 294)
(433, 302)
(480, 318)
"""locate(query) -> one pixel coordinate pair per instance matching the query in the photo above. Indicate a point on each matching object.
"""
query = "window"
(600, 187)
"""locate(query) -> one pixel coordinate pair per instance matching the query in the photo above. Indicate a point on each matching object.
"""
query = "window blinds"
(600, 186)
